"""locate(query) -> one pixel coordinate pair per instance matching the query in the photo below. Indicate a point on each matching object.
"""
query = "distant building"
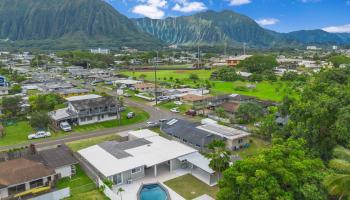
(4, 91)
(3, 81)
(100, 51)
(233, 61)
(334, 47)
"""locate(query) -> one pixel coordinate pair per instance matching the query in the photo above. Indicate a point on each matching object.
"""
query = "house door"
(117, 179)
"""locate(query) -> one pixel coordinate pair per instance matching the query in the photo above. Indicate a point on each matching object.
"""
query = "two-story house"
(86, 109)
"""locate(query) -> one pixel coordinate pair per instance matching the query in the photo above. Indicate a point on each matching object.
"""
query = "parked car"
(163, 120)
(65, 126)
(39, 134)
(191, 113)
(152, 124)
(163, 98)
(130, 115)
(179, 103)
(175, 110)
(127, 95)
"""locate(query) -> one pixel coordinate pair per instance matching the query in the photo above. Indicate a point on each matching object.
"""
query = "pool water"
(153, 192)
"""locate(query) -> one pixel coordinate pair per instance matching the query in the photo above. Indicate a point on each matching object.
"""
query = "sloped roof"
(21, 170)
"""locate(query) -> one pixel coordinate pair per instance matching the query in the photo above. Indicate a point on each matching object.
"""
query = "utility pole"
(155, 79)
(198, 58)
(244, 48)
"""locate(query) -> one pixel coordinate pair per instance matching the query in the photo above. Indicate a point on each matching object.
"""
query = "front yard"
(255, 147)
(18, 132)
(81, 187)
(189, 187)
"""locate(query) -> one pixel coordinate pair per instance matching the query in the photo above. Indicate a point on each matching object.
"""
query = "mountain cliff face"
(67, 23)
(212, 27)
(209, 28)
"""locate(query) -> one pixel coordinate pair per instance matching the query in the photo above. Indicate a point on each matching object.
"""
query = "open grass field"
(274, 91)
(81, 187)
(81, 144)
(190, 187)
(161, 74)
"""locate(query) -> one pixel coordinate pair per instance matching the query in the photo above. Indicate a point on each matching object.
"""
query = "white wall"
(95, 120)
(3, 193)
(65, 171)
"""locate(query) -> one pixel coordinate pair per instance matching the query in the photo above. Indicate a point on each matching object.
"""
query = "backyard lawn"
(81, 187)
(190, 187)
(81, 144)
(255, 146)
(169, 105)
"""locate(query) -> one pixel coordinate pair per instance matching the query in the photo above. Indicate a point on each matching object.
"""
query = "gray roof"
(91, 103)
(58, 157)
(117, 149)
(187, 130)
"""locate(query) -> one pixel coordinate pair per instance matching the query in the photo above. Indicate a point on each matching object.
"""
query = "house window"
(36, 183)
(240, 141)
(118, 179)
(82, 119)
(136, 170)
(16, 189)
(197, 145)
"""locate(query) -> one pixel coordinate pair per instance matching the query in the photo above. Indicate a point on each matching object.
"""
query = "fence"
(107, 191)
(55, 195)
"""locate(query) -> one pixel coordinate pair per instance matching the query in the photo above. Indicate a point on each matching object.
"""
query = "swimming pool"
(153, 192)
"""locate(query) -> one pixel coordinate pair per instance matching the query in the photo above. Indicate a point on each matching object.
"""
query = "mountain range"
(73, 24)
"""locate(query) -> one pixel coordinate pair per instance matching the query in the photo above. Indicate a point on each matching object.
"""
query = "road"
(154, 112)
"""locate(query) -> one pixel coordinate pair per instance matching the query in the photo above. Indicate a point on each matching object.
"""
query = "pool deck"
(130, 190)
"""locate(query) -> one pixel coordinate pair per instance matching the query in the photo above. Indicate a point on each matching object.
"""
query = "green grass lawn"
(161, 74)
(16, 133)
(81, 144)
(190, 187)
(255, 147)
(264, 90)
(140, 116)
(81, 187)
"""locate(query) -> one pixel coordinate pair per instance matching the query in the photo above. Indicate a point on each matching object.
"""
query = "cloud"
(338, 29)
(187, 7)
(151, 8)
(267, 21)
(238, 2)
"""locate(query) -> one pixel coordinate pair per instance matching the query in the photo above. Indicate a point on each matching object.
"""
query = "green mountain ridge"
(211, 27)
(68, 24)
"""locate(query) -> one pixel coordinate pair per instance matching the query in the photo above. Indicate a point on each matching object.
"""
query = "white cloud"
(338, 29)
(187, 7)
(238, 2)
(151, 8)
(267, 21)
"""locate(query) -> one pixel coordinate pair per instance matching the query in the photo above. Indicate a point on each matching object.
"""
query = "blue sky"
(278, 15)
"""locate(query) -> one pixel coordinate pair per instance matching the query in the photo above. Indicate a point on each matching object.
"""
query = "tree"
(39, 120)
(259, 63)
(220, 112)
(193, 77)
(11, 106)
(46, 102)
(226, 74)
(337, 60)
(219, 156)
(283, 172)
(338, 183)
(249, 112)
(142, 76)
(15, 89)
(120, 191)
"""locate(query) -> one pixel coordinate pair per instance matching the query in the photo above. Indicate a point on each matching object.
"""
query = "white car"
(179, 103)
(152, 124)
(39, 134)
(65, 126)
(175, 110)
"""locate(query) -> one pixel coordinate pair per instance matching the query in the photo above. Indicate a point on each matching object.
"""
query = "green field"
(81, 187)
(161, 74)
(190, 187)
(274, 91)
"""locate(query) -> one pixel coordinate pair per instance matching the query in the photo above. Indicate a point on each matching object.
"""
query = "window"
(16, 189)
(197, 145)
(240, 141)
(36, 183)
(136, 170)
(118, 179)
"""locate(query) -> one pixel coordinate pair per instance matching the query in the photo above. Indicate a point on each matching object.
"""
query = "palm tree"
(338, 183)
(219, 156)
(120, 190)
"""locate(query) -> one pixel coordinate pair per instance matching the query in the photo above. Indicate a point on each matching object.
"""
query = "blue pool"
(153, 192)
